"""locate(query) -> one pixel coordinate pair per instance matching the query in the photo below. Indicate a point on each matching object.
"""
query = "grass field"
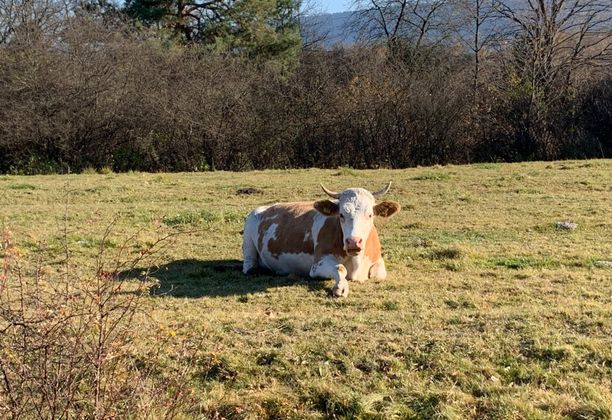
(489, 310)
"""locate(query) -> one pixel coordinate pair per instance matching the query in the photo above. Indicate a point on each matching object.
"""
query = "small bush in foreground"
(66, 342)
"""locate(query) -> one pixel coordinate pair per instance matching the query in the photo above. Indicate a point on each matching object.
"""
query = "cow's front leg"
(328, 268)
(378, 270)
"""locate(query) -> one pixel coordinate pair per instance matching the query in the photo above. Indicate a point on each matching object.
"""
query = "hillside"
(332, 28)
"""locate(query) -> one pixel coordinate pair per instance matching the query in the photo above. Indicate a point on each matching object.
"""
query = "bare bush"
(554, 45)
(493, 84)
(67, 343)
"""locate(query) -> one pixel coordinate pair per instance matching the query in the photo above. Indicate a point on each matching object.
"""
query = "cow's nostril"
(354, 242)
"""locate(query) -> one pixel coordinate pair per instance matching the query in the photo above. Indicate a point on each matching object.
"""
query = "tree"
(27, 19)
(554, 42)
(410, 28)
(255, 28)
(478, 32)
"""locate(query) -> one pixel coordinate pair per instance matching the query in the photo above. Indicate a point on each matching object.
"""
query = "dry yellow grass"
(489, 310)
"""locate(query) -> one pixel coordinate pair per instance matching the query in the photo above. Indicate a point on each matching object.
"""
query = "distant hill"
(331, 28)
(344, 28)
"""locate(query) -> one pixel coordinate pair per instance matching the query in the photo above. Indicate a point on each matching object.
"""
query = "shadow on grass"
(197, 278)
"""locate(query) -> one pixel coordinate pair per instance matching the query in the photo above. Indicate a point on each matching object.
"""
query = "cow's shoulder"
(373, 250)
(329, 239)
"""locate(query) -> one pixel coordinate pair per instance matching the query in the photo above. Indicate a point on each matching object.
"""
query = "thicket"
(68, 345)
(98, 89)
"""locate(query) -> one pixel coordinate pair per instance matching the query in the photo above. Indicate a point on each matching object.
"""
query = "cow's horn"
(383, 191)
(332, 194)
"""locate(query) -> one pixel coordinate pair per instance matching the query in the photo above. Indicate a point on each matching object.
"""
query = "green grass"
(197, 217)
(432, 176)
(22, 186)
(488, 310)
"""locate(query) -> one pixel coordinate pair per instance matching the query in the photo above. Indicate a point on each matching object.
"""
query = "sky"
(333, 6)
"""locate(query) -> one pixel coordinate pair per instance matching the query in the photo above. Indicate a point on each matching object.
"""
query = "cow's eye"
(370, 216)
(342, 218)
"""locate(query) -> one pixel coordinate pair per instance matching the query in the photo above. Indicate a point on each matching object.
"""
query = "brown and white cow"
(333, 239)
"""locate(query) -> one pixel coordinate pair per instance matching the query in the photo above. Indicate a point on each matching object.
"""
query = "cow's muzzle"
(353, 245)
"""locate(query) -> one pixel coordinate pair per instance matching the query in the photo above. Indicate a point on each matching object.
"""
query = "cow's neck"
(356, 267)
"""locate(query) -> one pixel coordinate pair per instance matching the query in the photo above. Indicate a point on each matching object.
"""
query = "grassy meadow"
(489, 309)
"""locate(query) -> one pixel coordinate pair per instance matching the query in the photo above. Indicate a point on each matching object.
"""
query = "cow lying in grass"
(333, 239)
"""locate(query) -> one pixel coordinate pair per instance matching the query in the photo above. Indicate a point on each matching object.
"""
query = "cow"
(333, 239)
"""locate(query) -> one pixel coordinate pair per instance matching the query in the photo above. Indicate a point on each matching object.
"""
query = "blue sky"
(332, 6)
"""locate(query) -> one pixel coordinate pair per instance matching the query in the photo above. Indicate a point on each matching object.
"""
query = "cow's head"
(356, 208)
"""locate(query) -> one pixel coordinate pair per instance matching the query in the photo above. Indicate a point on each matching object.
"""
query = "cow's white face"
(356, 214)
(356, 208)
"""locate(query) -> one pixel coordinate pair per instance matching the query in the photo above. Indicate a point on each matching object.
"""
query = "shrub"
(66, 348)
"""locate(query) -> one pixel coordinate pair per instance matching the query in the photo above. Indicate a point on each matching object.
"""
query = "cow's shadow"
(197, 278)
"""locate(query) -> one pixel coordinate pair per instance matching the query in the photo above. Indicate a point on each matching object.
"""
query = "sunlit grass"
(489, 310)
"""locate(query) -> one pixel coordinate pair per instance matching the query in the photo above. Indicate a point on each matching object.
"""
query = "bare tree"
(405, 25)
(558, 37)
(311, 30)
(553, 41)
(28, 18)
(478, 30)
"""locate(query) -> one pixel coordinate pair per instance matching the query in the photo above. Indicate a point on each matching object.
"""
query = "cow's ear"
(386, 208)
(327, 207)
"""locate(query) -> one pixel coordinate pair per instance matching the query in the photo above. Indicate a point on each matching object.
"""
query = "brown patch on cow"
(386, 208)
(327, 207)
(372, 250)
(329, 240)
(294, 222)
